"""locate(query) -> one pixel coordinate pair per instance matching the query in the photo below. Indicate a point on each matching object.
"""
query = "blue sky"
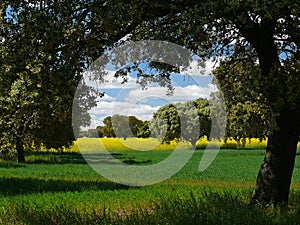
(130, 99)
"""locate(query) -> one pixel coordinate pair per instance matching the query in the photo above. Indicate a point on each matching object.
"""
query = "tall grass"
(203, 207)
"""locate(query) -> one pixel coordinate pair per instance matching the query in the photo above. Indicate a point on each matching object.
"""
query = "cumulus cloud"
(106, 97)
(104, 109)
(180, 93)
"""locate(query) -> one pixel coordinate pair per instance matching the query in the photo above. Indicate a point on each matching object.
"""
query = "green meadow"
(61, 188)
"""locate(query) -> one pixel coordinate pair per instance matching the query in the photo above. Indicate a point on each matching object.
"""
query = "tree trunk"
(20, 151)
(274, 177)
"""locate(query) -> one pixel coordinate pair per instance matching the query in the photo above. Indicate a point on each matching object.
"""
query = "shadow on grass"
(62, 158)
(136, 162)
(77, 158)
(16, 186)
(10, 165)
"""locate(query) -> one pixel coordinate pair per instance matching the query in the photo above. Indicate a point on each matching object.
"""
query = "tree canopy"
(248, 112)
(187, 121)
(41, 62)
(121, 126)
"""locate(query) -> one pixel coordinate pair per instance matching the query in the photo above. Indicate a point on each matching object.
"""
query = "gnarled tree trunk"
(274, 177)
(20, 151)
(275, 174)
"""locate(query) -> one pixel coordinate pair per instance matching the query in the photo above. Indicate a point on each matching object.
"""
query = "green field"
(60, 188)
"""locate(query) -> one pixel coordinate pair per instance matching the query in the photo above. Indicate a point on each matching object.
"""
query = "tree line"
(187, 121)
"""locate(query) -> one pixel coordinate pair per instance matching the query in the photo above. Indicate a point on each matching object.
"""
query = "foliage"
(44, 47)
(121, 126)
(135, 125)
(107, 129)
(165, 124)
(40, 72)
(144, 130)
(249, 113)
(99, 131)
(213, 29)
(8, 152)
(189, 121)
(200, 116)
(115, 144)
(231, 143)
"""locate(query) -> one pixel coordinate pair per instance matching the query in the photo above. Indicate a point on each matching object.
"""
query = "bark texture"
(275, 174)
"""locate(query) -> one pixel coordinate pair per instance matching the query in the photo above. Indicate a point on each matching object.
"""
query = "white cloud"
(106, 97)
(104, 109)
(180, 93)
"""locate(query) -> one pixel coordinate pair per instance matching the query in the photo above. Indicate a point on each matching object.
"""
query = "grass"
(60, 188)
(162, 205)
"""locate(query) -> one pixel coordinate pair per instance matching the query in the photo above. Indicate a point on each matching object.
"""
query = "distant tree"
(189, 121)
(196, 118)
(121, 126)
(99, 131)
(107, 129)
(165, 124)
(83, 134)
(92, 133)
(144, 130)
(135, 125)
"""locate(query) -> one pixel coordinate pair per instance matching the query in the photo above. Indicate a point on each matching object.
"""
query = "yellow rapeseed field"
(117, 144)
(146, 144)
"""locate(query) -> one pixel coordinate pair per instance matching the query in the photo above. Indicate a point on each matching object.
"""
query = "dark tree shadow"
(77, 158)
(136, 162)
(64, 158)
(16, 186)
(9, 165)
